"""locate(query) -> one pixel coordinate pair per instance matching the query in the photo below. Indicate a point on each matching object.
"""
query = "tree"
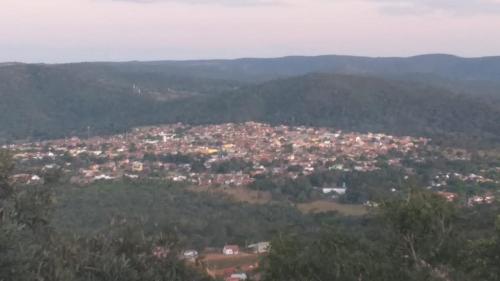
(332, 255)
(422, 227)
(415, 241)
(6, 166)
(481, 258)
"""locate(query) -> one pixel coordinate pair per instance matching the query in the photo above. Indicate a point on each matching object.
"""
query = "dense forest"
(40, 101)
(32, 249)
(200, 219)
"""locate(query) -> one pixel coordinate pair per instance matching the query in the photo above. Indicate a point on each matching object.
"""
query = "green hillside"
(41, 101)
(53, 101)
(350, 103)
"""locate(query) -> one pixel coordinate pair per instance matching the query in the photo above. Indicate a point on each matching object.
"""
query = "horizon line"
(10, 63)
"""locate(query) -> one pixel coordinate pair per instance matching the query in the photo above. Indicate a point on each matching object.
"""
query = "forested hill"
(256, 69)
(478, 77)
(350, 103)
(432, 66)
(51, 101)
(47, 101)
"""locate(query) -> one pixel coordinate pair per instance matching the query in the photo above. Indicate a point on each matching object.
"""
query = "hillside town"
(228, 154)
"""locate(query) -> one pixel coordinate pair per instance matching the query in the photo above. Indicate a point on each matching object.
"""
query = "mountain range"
(431, 95)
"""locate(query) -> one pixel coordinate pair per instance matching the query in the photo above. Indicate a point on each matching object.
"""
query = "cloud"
(456, 7)
(215, 2)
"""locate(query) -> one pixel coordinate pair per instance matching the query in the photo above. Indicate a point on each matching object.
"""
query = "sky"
(55, 31)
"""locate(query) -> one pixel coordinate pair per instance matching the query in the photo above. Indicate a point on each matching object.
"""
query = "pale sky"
(117, 30)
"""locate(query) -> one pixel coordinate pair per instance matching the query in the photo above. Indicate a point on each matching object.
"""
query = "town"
(228, 154)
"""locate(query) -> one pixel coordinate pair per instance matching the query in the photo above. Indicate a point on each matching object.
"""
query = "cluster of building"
(230, 254)
(486, 198)
(189, 153)
(442, 179)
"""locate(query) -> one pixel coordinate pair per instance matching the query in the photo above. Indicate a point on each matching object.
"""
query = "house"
(338, 167)
(190, 254)
(238, 276)
(261, 247)
(339, 191)
(485, 199)
(230, 250)
(103, 177)
(137, 166)
(449, 196)
(26, 179)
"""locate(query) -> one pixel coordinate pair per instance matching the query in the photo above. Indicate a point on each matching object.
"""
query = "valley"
(197, 166)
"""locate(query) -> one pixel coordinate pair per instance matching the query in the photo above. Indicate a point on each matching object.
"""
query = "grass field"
(321, 206)
(239, 194)
(243, 194)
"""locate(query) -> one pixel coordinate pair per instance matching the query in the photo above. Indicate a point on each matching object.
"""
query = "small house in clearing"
(230, 250)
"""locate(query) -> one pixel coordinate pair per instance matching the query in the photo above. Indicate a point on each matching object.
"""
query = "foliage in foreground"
(418, 239)
(421, 237)
(32, 250)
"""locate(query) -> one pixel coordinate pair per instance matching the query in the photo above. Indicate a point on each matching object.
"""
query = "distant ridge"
(9, 63)
(262, 69)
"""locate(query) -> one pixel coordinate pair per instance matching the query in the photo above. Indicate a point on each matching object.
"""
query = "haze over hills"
(429, 95)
